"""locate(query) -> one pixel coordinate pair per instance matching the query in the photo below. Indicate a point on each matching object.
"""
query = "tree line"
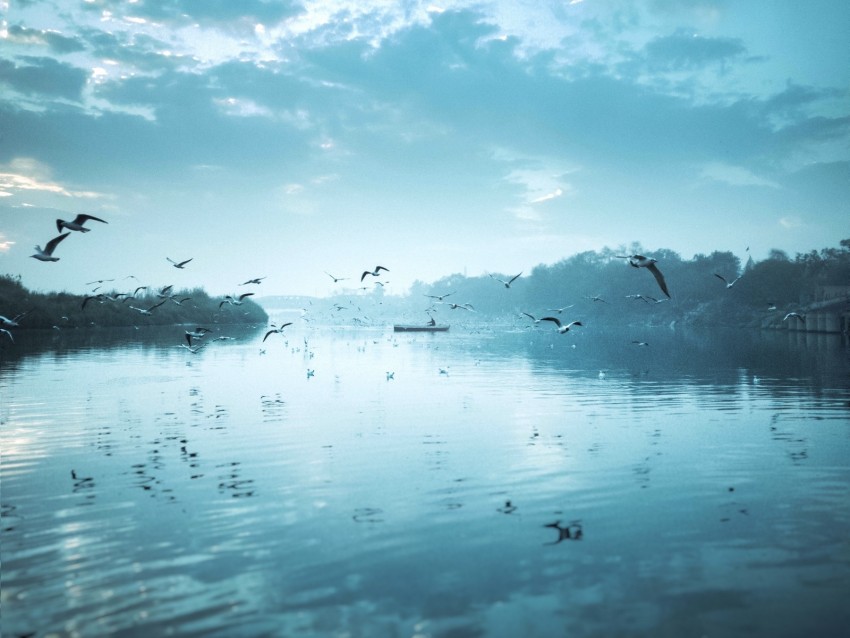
(111, 309)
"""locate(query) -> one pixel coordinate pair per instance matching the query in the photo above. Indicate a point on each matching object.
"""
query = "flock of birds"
(165, 294)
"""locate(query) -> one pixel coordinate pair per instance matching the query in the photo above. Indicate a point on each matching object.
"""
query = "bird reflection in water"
(571, 532)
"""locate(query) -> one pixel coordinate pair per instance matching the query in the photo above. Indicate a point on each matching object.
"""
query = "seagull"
(197, 333)
(441, 297)
(336, 279)
(13, 322)
(562, 329)
(256, 280)
(181, 264)
(506, 283)
(77, 224)
(165, 292)
(796, 315)
(728, 283)
(277, 330)
(560, 310)
(149, 310)
(237, 301)
(640, 343)
(639, 261)
(47, 253)
(463, 306)
(596, 298)
(193, 349)
(374, 273)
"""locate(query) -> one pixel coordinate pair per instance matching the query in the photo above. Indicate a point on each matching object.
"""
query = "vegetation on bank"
(600, 284)
(766, 289)
(112, 308)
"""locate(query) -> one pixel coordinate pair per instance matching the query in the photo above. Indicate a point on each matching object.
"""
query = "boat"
(436, 327)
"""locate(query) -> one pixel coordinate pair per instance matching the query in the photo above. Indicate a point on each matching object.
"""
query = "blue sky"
(290, 140)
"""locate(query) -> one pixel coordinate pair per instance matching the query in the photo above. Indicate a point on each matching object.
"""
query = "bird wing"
(658, 277)
(247, 294)
(555, 320)
(377, 268)
(48, 248)
(721, 278)
(363, 276)
(183, 263)
(513, 278)
(529, 316)
(270, 332)
(83, 218)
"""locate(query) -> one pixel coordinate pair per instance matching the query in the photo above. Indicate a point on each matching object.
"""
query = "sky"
(302, 140)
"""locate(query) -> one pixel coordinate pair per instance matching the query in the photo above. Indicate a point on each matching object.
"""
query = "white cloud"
(735, 175)
(25, 174)
(790, 222)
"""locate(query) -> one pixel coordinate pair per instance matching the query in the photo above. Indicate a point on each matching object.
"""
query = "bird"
(197, 333)
(639, 261)
(255, 280)
(725, 281)
(336, 279)
(561, 328)
(181, 264)
(640, 343)
(560, 310)
(532, 317)
(374, 273)
(278, 330)
(462, 306)
(440, 297)
(193, 349)
(390, 375)
(235, 301)
(149, 311)
(47, 253)
(508, 282)
(13, 322)
(596, 298)
(796, 315)
(573, 531)
(77, 223)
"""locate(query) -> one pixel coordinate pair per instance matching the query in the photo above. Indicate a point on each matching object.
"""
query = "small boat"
(436, 327)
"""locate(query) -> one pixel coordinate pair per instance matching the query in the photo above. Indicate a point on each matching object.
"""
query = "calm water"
(698, 486)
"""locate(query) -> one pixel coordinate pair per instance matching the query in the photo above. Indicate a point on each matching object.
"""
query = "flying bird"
(561, 328)
(532, 317)
(47, 253)
(440, 297)
(795, 315)
(256, 280)
(278, 330)
(729, 284)
(149, 311)
(77, 223)
(181, 264)
(560, 310)
(336, 279)
(374, 273)
(13, 322)
(639, 261)
(235, 301)
(508, 282)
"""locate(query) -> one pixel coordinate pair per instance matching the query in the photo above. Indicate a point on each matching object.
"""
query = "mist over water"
(342, 481)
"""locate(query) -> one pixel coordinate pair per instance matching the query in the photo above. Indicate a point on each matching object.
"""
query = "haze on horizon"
(290, 140)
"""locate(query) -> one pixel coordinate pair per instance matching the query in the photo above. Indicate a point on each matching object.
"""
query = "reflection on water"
(496, 483)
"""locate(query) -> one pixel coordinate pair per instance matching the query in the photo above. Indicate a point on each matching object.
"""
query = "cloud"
(790, 222)
(684, 50)
(28, 175)
(735, 175)
(55, 41)
(5, 244)
(43, 76)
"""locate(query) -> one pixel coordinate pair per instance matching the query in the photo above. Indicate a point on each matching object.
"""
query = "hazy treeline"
(766, 288)
(112, 308)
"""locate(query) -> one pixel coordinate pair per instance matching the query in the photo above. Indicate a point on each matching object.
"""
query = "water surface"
(357, 482)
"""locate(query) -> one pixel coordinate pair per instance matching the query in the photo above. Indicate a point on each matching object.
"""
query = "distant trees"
(65, 310)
